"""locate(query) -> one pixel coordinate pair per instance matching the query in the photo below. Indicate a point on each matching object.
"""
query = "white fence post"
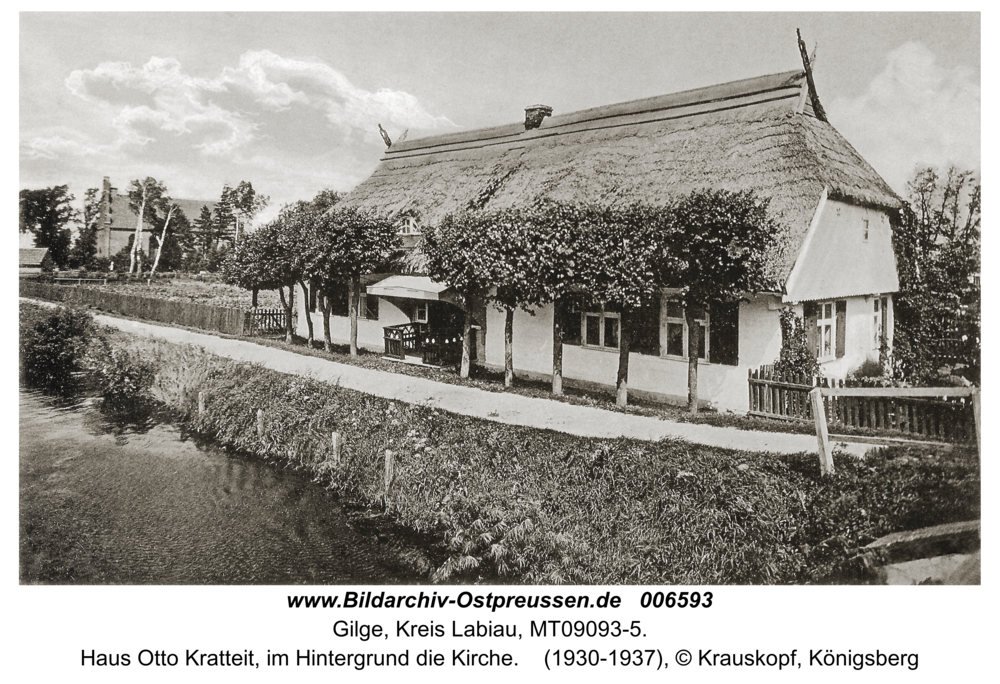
(338, 446)
(260, 423)
(201, 403)
(822, 436)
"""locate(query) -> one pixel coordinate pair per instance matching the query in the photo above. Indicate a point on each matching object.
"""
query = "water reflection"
(128, 499)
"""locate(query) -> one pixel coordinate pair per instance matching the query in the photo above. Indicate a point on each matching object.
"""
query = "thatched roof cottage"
(769, 134)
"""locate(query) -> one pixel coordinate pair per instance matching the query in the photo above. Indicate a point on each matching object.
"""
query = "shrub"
(124, 378)
(53, 345)
(796, 358)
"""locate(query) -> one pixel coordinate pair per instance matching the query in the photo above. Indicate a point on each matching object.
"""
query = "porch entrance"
(432, 337)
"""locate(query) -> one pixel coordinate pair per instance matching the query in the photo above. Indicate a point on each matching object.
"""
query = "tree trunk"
(287, 304)
(159, 247)
(309, 320)
(327, 304)
(694, 335)
(138, 234)
(253, 303)
(508, 349)
(557, 349)
(466, 341)
(354, 297)
(624, 340)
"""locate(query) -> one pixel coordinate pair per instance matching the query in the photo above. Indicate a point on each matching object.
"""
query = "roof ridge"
(732, 90)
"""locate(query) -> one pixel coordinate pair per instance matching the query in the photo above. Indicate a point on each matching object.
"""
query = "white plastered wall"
(662, 378)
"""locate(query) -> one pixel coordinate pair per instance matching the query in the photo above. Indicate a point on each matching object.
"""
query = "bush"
(53, 345)
(796, 358)
(124, 378)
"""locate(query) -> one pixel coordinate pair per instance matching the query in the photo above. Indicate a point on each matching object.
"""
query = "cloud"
(915, 113)
(218, 115)
(57, 143)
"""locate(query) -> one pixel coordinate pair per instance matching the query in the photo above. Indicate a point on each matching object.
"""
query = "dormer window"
(408, 226)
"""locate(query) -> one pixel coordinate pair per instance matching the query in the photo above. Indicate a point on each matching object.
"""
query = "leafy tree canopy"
(46, 213)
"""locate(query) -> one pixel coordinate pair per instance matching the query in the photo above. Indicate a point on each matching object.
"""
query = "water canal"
(109, 502)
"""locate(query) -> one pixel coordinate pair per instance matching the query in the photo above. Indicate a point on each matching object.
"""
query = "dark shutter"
(841, 327)
(885, 322)
(809, 315)
(569, 320)
(371, 307)
(645, 329)
(724, 329)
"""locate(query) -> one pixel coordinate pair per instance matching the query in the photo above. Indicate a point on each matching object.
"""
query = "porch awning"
(409, 287)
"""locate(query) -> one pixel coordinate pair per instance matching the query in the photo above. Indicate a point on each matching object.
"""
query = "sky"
(292, 102)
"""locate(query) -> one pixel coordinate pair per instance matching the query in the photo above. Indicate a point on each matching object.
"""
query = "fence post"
(388, 470)
(201, 403)
(975, 416)
(822, 437)
(338, 447)
(260, 423)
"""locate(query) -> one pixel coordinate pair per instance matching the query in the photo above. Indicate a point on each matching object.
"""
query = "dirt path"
(501, 407)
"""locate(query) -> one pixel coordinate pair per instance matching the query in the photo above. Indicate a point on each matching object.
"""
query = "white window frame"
(704, 319)
(419, 306)
(408, 226)
(878, 311)
(825, 324)
(602, 316)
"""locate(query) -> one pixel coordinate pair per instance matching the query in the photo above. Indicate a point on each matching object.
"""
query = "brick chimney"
(534, 114)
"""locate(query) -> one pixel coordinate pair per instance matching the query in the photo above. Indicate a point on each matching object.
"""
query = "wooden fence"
(203, 316)
(943, 415)
(264, 322)
(969, 395)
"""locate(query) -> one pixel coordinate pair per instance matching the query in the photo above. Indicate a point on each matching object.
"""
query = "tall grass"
(545, 507)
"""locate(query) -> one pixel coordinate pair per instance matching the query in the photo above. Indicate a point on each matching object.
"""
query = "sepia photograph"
(516, 299)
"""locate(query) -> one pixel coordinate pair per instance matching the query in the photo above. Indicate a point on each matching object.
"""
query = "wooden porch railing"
(402, 340)
(435, 347)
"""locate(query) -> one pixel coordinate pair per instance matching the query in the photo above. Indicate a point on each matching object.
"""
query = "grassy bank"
(543, 507)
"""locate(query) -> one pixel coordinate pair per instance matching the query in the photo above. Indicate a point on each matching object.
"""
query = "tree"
(340, 246)
(326, 199)
(140, 194)
(721, 245)
(621, 252)
(46, 214)
(267, 259)
(453, 256)
(172, 245)
(244, 203)
(937, 244)
(84, 249)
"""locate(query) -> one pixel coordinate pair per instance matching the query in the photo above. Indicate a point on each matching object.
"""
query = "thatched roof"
(758, 133)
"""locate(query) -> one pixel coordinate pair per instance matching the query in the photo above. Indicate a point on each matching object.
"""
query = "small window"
(677, 332)
(866, 230)
(408, 226)
(602, 329)
(825, 324)
(879, 314)
(420, 312)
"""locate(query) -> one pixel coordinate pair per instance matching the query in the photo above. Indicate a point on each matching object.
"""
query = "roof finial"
(385, 136)
(817, 107)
